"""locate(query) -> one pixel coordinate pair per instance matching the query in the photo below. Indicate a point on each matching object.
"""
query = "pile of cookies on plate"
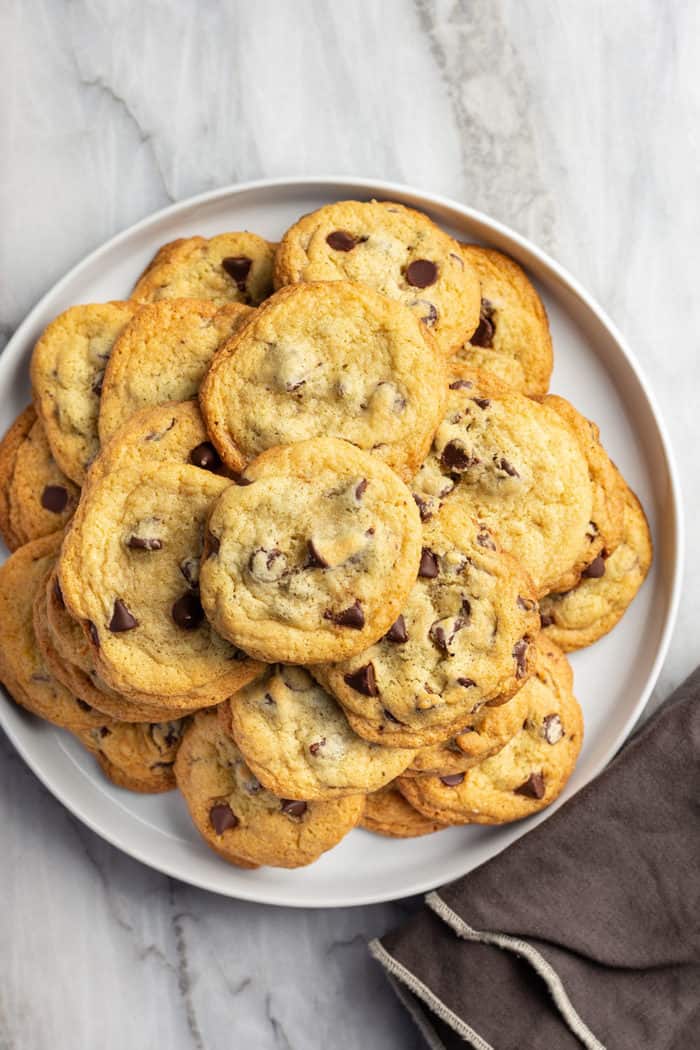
(298, 530)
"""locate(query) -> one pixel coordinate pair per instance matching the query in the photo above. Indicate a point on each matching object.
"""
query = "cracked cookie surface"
(298, 742)
(231, 267)
(67, 370)
(397, 251)
(311, 559)
(463, 639)
(327, 359)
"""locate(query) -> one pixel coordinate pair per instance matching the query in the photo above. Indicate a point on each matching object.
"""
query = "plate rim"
(420, 198)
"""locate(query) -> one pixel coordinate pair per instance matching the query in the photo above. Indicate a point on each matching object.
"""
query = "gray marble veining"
(575, 122)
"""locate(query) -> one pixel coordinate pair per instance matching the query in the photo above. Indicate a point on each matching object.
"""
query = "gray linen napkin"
(585, 932)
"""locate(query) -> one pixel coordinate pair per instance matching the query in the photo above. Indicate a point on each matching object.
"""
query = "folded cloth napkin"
(586, 931)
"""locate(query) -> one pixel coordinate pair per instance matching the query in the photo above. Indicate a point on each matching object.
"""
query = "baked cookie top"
(605, 528)
(239, 818)
(129, 571)
(512, 339)
(327, 359)
(172, 432)
(67, 368)
(137, 757)
(41, 498)
(22, 667)
(393, 249)
(297, 741)
(231, 267)
(528, 773)
(518, 467)
(388, 813)
(583, 615)
(163, 355)
(313, 556)
(462, 640)
(12, 440)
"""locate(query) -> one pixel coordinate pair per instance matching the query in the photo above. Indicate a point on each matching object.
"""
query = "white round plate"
(613, 678)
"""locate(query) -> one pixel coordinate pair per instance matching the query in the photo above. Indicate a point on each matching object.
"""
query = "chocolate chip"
(363, 680)
(268, 565)
(292, 807)
(122, 619)
(54, 498)
(546, 620)
(314, 559)
(187, 612)
(342, 241)
(461, 384)
(58, 593)
(508, 468)
(484, 334)
(482, 402)
(353, 616)
(429, 566)
(533, 787)
(361, 488)
(190, 570)
(423, 508)
(222, 818)
(391, 718)
(205, 456)
(144, 543)
(443, 631)
(212, 544)
(525, 603)
(520, 656)
(431, 315)
(238, 268)
(484, 539)
(421, 273)
(466, 683)
(452, 779)
(82, 705)
(97, 384)
(596, 569)
(316, 747)
(552, 729)
(241, 480)
(94, 635)
(397, 632)
(104, 731)
(454, 457)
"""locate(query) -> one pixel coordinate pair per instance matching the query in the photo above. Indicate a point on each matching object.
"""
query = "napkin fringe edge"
(526, 951)
(397, 972)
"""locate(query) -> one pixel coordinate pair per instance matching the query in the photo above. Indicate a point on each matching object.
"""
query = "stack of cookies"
(298, 530)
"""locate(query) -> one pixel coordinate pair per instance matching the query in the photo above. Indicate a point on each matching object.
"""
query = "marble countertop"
(575, 122)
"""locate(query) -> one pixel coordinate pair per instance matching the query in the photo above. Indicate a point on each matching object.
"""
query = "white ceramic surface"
(613, 679)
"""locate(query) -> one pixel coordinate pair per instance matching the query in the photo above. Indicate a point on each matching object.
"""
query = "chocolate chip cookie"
(242, 821)
(388, 813)
(67, 367)
(163, 356)
(512, 339)
(22, 668)
(297, 741)
(393, 249)
(518, 467)
(583, 615)
(528, 773)
(137, 757)
(327, 359)
(463, 639)
(42, 499)
(231, 267)
(129, 572)
(312, 557)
